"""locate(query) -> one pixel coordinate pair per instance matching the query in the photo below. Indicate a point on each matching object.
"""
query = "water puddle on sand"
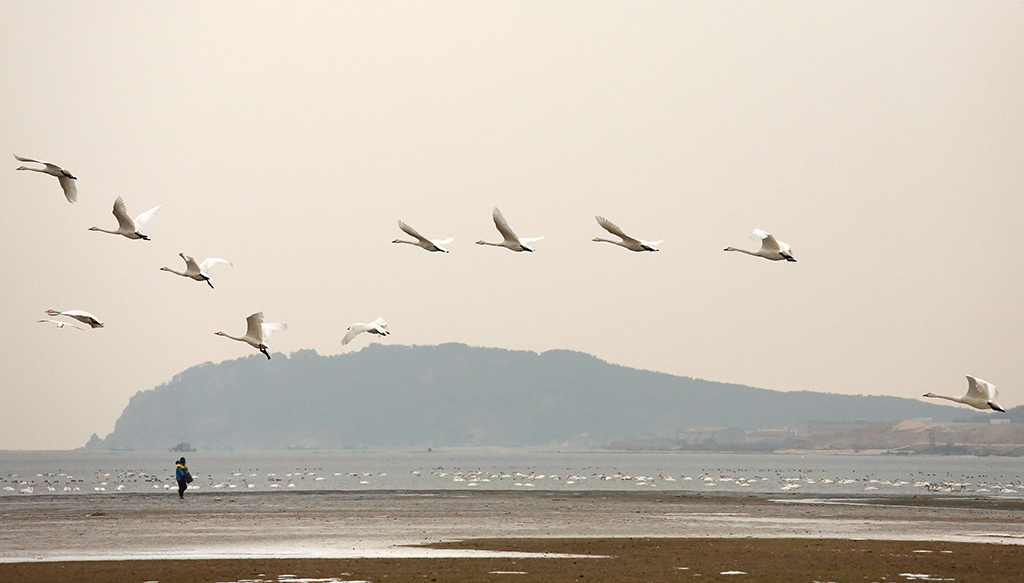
(297, 579)
(924, 577)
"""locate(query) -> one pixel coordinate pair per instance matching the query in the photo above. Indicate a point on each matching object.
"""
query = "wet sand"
(484, 536)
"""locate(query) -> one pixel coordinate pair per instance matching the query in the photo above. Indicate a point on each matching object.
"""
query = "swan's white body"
(61, 324)
(83, 317)
(125, 225)
(627, 241)
(771, 248)
(67, 181)
(197, 271)
(257, 332)
(421, 241)
(378, 326)
(510, 240)
(980, 395)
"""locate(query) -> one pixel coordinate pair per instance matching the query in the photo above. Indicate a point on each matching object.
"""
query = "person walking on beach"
(183, 477)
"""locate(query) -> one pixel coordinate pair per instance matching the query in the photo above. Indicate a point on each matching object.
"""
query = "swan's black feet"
(210, 284)
(265, 353)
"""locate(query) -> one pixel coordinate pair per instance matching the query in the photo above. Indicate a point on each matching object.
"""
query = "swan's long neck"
(181, 273)
(491, 244)
(407, 242)
(102, 230)
(947, 397)
(226, 335)
(609, 241)
(742, 251)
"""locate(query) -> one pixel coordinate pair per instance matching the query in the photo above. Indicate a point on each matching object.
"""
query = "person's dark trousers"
(181, 488)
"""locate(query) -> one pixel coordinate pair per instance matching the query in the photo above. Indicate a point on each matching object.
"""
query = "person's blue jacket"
(179, 472)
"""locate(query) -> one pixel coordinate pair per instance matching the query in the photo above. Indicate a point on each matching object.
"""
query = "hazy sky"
(883, 141)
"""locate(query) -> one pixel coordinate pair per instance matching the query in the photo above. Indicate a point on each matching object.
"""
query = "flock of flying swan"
(257, 330)
(980, 394)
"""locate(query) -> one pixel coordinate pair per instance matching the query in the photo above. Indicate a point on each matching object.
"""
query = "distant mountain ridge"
(456, 395)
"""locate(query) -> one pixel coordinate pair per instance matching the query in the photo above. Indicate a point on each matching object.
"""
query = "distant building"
(183, 446)
(830, 427)
(770, 436)
(716, 435)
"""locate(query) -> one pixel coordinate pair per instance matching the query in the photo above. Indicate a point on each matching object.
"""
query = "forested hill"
(457, 395)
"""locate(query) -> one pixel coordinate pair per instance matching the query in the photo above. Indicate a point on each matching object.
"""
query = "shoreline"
(330, 524)
(480, 536)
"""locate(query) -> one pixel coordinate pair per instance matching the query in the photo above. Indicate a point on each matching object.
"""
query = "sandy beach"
(522, 536)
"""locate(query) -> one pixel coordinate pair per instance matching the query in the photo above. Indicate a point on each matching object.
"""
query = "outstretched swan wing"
(977, 388)
(614, 229)
(768, 242)
(121, 214)
(270, 327)
(254, 326)
(502, 225)
(353, 331)
(144, 218)
(69, 188)
(209, 262)
(412, 232)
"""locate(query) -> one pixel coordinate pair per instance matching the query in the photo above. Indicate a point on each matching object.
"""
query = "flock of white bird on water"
(440, 478)
(980, 394)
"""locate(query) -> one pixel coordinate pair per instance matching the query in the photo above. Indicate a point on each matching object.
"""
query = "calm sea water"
(78, 473)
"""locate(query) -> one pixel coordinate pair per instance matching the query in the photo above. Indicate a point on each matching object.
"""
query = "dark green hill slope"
(456, 395)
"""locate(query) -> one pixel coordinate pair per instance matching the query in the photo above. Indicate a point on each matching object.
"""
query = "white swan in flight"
(197, 271)
(67, 181)
(378, 326)
(125, 225)
(83, 317)
(257, 333)
(421, 241)
(61, 324)
(511, 241)
(980, 395)
(627, 241)
(770, 248)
